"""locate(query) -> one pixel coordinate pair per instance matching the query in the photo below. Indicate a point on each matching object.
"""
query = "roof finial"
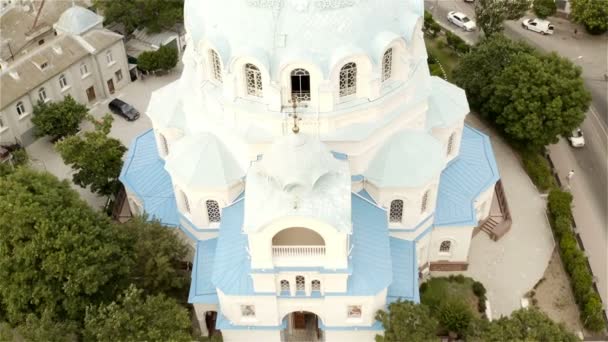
(294, 101)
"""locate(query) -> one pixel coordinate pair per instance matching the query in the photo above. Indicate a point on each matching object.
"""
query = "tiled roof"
(144, 174)
(464, 179)
(405, 271)
(201, 288)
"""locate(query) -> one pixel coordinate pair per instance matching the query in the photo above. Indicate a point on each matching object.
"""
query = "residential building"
(84, 60)
(313, 164)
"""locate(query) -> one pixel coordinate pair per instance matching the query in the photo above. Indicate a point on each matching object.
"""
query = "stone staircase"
(498, 224)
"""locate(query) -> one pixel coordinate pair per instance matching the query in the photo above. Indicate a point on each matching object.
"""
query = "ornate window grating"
(316, 285)
(42, 94)
(284, 285)
(425, 200)
(451, 143)
(354, 311)
(387, 64)
(300, 85)
(348, 79)
(213, 211)
(253, 78)
(215, 64)
(300, 283)
(20, 108)
(248, 310)
(445, 246)
(396, 211)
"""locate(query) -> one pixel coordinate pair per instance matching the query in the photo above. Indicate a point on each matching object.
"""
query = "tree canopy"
(96, 157)
(57, 255)
(490, 14)
(544, 8)
(154, 15)
(163, 59)
(58, 119)
(591, 13)
(135, 318)
(406, 321)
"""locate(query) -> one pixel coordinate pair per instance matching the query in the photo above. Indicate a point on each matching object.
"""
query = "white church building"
(315, 165)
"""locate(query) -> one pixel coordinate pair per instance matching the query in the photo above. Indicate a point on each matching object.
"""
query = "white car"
(461, 20)
(538, 25)
(577, 139)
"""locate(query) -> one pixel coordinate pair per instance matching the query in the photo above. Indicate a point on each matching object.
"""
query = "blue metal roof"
(144, 174)
(466, 177)
(405, 271)
(201, 288)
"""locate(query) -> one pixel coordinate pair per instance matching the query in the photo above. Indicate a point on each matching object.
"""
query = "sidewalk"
(591, 224)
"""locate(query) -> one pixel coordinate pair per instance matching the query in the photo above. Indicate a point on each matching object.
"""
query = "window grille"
(42, 94)
(348, 79)
(445, 246)
(316, 285)
(20, 108)
(387, 64)
(451, 143)
(63, 82)
(253, 78)
(248, 310)
(396, 211)
(300, 283)
(300, 85)
(284, 285)
(425, 199)
(213, 211)
(215, 65)
(354, 311)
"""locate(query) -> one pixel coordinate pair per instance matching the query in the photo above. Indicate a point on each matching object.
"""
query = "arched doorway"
(210, 319)
(302, 326)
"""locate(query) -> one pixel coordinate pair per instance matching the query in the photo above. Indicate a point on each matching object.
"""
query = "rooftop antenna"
(294, 101)
(38, 14)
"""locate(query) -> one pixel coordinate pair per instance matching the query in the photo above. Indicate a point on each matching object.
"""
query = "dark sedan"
(123, 109)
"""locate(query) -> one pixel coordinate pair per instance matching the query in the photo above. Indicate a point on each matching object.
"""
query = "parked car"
(538, 25)
(471, 1)
(577, 139)
(461, 20)
(123, 109)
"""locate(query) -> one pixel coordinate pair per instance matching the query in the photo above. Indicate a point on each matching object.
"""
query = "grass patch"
(438, 48)
(439, 290)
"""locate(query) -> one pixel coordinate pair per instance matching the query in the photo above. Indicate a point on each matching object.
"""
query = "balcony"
(298, 247)
(298, 251)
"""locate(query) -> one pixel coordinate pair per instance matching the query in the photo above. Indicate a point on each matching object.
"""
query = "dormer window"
(300, 85)
(44, 65)
(348, 79)
(213, 211)
(253, 77)
(215, 65)
(41, 41)
(387, 64)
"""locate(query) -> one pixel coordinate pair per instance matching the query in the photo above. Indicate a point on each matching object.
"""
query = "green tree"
(455, 316)
(57, 255)
(165, 58)
(39, 329)
(523, 325)
(406, 321)
(544, 8)
(154, 15)
(537, 99)
(593, 14)
(490, 14)
(477, 69)
(96, 157)
(58, 119)
(158, 252)
(135, 318)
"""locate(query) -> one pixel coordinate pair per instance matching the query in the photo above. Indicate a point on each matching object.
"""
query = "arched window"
(163, 144)
(63, 82)
(284, 285)
(348, 79)
(387, 64)
(215, 65)
(451, 143)
(300, 283)
(42, 94)
(316, 285)
(425, 200)
(253, 77)
(213, 211)
(396, 211)
(300, 85)
(445, 246)
(185, 201)
(20, 108)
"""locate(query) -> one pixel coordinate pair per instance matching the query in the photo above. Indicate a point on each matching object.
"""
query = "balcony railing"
(298, 251)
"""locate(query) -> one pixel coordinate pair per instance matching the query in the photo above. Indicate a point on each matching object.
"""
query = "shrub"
(481, 305)
(562, 225)
(455, 316)
(478, 289)
(538, 169)
(591, 314)
(165, 58)
(457, 278)
(544, 8)
(592, 14)
(423, 287)
(582, 283)
(456, 43)
(559, 203)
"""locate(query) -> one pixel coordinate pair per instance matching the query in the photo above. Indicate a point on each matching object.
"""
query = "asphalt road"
(591, 161)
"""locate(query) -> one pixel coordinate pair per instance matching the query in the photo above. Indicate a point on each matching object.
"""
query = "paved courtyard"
(44, 156)
(511, 266)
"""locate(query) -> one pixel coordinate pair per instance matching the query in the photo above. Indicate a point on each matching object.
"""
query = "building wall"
(107, 70)
(460, 238)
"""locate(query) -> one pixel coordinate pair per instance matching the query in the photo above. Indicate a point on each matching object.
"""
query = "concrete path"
(44, 156)
(511, 266)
